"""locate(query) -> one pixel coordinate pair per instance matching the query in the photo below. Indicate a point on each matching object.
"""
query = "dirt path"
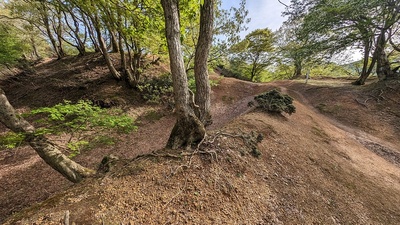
(225, 110)
(383, 148)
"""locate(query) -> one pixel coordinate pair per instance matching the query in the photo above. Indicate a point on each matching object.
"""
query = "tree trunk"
(188, 129)
(92, 36)
(59, 33)
(46, 22)
(46, 150)
(297, 70)
(130, 79)
(382, 63)
(34, 48)
(203, 89)
(104, 51)
(114, 42)
(366, 71)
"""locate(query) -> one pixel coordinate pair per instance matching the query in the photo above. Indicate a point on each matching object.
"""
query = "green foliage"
(82, 116)
(76, 147)
(11, 140)
(275, 102)
(12, 47)
(156, 89)
(80, 121)
(254, 52)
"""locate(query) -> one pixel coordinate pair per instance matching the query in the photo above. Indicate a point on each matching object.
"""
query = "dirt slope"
(317, 166)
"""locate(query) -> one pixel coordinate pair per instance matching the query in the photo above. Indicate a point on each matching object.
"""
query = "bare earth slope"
(334, 161)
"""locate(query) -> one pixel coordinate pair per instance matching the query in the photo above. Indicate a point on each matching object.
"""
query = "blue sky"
(263, 13)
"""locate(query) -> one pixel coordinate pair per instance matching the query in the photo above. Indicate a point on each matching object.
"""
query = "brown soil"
(335, 161)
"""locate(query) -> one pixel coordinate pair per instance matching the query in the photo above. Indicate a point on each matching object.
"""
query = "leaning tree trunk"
(366, 71)
(188, 129)
(203, 89)
(46, 150)
(104, 50)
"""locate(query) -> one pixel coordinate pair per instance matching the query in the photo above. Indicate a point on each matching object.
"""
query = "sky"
(263, 13)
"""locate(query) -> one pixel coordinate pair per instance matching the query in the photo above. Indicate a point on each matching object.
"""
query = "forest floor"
(335, 161)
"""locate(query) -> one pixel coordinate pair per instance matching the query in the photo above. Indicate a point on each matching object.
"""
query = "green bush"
(83, 123)
(11, 140)
(156, 89)
(274, 101)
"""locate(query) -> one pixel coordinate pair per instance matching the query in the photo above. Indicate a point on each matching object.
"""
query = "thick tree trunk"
(382, 63)
(46, 150)
(188, 129)
(203, 89)
(297, 70)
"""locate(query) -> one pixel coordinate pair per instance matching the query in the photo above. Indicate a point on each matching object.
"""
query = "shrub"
(11, 140)
(83, 123)
(156, 89)
(274, 101)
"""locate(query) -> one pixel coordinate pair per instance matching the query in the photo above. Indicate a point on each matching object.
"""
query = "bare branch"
(283, 3)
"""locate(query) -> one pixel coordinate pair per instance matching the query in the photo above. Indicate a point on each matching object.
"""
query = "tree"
(203, 89)
(337, 25)
(291, 49)
(12, 47)
(255, 49)
(189, 129)
(45, 149)
(227, 28)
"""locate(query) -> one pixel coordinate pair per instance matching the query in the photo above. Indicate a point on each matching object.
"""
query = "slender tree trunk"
(104, 51)
(114, 43)
(92, 36)
(130, 79)
(188, 129)
(203, 89)
(59, 33)
(46, 22)
(34, 48)
(366, 70)
(46, 150)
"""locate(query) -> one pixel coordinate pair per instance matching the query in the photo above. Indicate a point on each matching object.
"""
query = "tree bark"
(203, 89)
(114, 43)
(366, 70)
(297, 70)
(46, 150)
(104, 51)
(382, 63)
(188, 129)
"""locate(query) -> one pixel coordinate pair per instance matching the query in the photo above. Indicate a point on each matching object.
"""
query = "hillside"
(335, 161)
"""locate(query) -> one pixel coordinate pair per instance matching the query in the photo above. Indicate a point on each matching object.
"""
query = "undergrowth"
(159, 90)
(83, 125)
